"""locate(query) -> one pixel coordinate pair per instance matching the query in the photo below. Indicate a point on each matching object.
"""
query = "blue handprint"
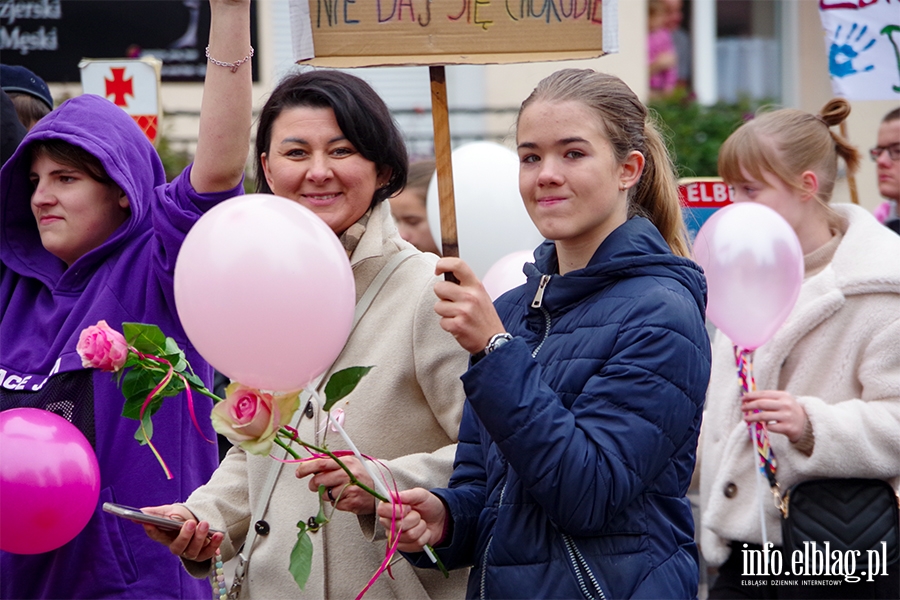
(841, 56)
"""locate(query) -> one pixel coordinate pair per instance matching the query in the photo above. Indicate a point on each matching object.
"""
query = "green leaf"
(171, 347)
(175, 355)
(148, 339)
(342, 383)
(148, 427)
(194, 380)
(136, 385)
(132, 408)
(301, 556)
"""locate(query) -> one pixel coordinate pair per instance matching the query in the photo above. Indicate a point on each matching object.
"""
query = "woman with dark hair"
(327, 141)
(89, 231)
(586, 384)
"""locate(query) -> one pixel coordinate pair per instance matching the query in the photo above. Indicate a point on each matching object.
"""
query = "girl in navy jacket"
(586, 384)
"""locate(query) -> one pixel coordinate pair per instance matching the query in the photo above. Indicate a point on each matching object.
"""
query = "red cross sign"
(119, 86)
(132, 84)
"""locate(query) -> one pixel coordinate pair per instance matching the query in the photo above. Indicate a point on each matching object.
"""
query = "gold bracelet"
(233, 66)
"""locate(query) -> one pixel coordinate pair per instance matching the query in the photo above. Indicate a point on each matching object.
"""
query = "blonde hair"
(628, 127)
(788, 142)
(420, 173)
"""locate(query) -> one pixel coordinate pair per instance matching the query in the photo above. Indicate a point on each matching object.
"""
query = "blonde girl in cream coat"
(829, 379)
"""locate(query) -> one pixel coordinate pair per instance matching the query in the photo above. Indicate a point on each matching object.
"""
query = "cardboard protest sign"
(862, 38)
(347, 33)
(132, 84)
(700, 198)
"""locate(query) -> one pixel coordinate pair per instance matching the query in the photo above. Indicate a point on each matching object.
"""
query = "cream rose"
(251, 418)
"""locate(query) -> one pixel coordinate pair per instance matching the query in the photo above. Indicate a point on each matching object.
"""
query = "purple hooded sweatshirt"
(43, 308)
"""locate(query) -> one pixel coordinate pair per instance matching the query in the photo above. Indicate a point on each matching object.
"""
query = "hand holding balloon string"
(753, 263)
(779, 410)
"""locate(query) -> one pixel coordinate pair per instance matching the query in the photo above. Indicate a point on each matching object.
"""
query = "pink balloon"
(265, 292)
(506, 273)
(49, 481)
(754, 270)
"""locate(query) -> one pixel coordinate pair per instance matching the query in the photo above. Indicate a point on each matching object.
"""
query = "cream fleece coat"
(838, 353)
(406, 411)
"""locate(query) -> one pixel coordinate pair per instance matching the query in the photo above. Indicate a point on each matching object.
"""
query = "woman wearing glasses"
(887, 160)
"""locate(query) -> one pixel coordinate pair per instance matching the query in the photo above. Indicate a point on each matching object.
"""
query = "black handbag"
(849, 514)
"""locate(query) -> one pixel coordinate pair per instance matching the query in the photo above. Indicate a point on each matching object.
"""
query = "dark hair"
(628, 127)
(892, 116)
(360, 113)
(73, 156)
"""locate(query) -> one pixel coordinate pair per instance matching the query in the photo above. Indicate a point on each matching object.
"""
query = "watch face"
(497, 341)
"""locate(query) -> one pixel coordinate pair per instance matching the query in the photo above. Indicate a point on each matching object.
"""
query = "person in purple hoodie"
(90, 230)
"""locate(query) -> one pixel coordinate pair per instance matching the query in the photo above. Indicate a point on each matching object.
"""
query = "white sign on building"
(132, 84)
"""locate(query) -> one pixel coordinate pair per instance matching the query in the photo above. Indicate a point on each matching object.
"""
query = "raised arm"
(225, 112)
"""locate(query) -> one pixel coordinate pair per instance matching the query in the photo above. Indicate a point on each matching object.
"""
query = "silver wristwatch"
(495, 342)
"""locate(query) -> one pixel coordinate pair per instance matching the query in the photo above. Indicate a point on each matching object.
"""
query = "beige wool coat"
(838, 353)
(406, 411)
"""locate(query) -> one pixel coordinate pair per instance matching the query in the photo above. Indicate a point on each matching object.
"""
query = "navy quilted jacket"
(578, 437)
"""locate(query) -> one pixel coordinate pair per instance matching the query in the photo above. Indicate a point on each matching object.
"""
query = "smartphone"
(134, 514)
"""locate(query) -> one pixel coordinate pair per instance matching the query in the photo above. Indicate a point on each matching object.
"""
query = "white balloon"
(506, 273)
(491, 220)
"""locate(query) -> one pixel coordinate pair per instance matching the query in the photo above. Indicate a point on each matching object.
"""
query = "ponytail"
(628, 128)
(834, 113)
(656, 194)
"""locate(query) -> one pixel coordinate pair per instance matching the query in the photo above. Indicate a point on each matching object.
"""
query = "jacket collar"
(380, 241)
(865, 261)
(635, 248)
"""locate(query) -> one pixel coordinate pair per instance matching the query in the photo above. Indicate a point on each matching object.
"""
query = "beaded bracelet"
(233, 66)
(220, 592)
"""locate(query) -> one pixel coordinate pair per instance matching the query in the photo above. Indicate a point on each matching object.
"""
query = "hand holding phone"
(135, 514)
(183, 535)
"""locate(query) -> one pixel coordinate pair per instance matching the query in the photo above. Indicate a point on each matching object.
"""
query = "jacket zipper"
(488, 547)
(580, 565)
(538, 302)
(539, 295)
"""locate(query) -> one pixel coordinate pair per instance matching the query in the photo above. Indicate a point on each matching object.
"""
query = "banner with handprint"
(862, 38)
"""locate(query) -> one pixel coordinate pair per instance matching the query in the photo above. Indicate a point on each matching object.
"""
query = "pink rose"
(102, 347)
(251, 418)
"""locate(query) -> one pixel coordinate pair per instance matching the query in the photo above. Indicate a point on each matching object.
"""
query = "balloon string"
(759, 433)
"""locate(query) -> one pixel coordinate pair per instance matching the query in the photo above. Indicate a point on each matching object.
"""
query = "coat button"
(261, 527)
(311, 525)
(308, 411)
(730, 490)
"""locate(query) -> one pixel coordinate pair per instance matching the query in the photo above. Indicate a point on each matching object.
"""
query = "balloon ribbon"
(758, 431)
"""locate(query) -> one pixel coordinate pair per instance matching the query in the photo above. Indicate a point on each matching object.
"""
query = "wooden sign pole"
(442, 150)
